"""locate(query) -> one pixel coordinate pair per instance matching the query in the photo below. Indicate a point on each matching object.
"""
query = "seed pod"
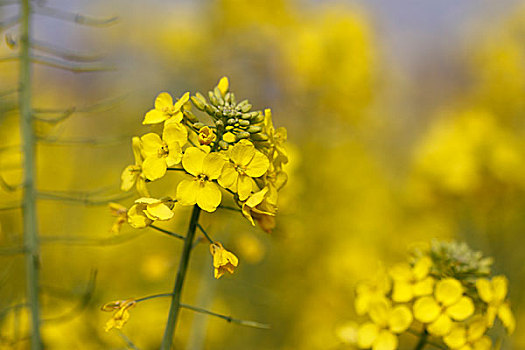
(246, 116)
(198, 103)
(219, 123)
(253, 129)
(228, 97)
(246, 108)
(213, 99)
(259, 136)
(198, 125)
(258, 119)
(243, 122)
(223, 144)
(218, 96)
(231, 121)
(242, 103)
(233, 101)
(242, 135)
(208, 109)
(191, 117)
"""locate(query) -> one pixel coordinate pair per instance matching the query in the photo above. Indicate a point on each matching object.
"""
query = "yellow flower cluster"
(444, 294)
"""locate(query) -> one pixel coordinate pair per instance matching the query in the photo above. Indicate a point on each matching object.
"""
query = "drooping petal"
(367, 335)
(147, 200)
(461, 310)
(212, 165)
(209, 196)
(163, 100)
(128, 177)
(400, 319)
(448, 291)
(228, 177)
(154, 116)
(258, 165)
(441, 326)
(426, 309)
(160, 211)
(151, 143)
(506, 317)
(256, 198)
(154, 168)
(385, 341)
(242, 153)
(484, 288)
(187, 192)
(136, 217)
(192, 161)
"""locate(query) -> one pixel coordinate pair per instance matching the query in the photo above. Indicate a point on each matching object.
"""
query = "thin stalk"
(31, 240)
(422, 341)
(175, 306)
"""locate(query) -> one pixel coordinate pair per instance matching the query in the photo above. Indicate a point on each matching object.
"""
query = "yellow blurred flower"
(372, 291)
(165, 109)
(245, 164)
(132, 174)
(494, 293)
(223, 260)
(447, 304)
(410, 282)
(469, 338)
(163, 153)
(147, 210)
(387, 322)
(201, 190)
(121, 315)
(121, 212)
(206, 135)
(277, 138)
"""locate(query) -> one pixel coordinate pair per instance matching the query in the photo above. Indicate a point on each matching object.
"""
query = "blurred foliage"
(365, 184)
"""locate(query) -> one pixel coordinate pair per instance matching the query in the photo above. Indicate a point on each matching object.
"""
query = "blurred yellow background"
(398, 132)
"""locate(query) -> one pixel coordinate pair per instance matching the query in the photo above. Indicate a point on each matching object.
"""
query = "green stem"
(175, 306)
(29, 206)
(422, 341)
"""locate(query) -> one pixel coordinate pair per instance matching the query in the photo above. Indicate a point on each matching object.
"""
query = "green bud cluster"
(234, 121)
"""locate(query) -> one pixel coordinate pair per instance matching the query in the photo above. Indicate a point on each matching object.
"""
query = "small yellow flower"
(201, 190)
(469, 338)
(121, 212)
(121, 314)
(146, 210)
(223, 85)
(165, 109)
(277, 138)
(206, 135)
(494, 293)
(245, 164)
(132, 174)
(447, 304)
(387, 322)
(372, 291)
(163, 153)
(253, 205)
(410, 282)
(223, 260)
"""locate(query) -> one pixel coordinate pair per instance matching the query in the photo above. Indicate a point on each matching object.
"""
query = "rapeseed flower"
(223, 260)
(493, 293)
(410, 282)
(147, 210)
(253, 205)
(121, 213)
(165, 109)
(133, 174)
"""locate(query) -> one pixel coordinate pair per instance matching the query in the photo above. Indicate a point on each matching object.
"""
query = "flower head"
(165, 109)
(223, 260)
(201, 189)
(469, 337)
(493, 293)
(412, 281)
(245, 164)
(206, 135)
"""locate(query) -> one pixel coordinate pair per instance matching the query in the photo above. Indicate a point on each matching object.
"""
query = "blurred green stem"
(422, 341)
(175, 306)
(29, 206)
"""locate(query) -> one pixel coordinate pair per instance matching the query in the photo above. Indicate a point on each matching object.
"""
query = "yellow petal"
(137, 147)
(456, 338)
(223, 85)
(507, 318)
(402, 291)
(174, 132)
(400, 319)
(151, 144)
(141, 186)
(209, 196)
(483, 343)
(228, 177)
(182, 101)
(175, 154)
(426, 309)
(500, 287)
(256, 198)
(379, 313)
(244, 186)
(385, 341)
(258, 165)
(476, 328)
(193, 160)
(424, 287)
(484, 288)
(187, 192)
(136, 217)
(441, 326)
(491, 315)
(448, 291)
(401, 272)
(212, 165)
(367, 335)
(128, 177)
(159, 211)
(461, 310)
(242, 153)
(422, 268)
(154, 168)
(163, 100)
(154, 116)
(147, 200)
